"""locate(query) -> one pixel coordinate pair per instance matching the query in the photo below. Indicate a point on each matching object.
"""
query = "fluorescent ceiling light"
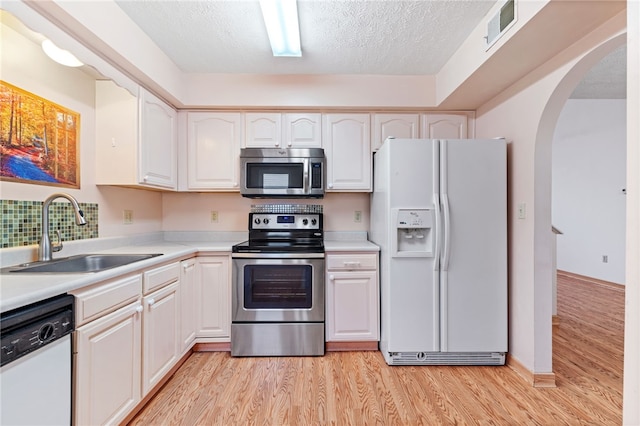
(281, 19)
(61, 56)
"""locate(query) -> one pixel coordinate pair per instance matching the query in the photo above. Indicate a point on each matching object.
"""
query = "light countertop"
(19, 289)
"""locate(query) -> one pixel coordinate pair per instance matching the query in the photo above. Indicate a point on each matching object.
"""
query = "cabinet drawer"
(350, 262)
(159, 277)
(103, 298)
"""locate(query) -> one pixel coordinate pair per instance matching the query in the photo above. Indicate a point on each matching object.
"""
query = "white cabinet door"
(214, 298)
(396, 125)
(213, 150)
(158, 142)
(136, 138)
(107, 364)
(347, 144)
(444, 126)
(263, 129)
(188, 316)
(303, 130)
(353, 299)
(161, 318)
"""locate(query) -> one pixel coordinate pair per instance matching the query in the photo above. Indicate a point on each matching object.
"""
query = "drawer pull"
(353, 264)
(151, 301)
(139, 308)
(331, 277)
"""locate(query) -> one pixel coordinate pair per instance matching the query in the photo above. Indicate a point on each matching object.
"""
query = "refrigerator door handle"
(444, 199)
(447, 237)
(436, 203)
(438, 225)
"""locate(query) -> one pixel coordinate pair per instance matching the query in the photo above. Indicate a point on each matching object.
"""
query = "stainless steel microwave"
(282, 173)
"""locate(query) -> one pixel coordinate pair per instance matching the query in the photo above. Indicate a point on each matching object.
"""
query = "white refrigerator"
(439, 215)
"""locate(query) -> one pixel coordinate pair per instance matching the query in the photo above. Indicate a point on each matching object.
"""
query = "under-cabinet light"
(61, 56)
(281, 20)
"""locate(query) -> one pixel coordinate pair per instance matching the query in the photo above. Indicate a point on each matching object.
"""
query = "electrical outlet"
(605, 258)
(214, 216)
(522, 211)
(127, 217)
(357, 216)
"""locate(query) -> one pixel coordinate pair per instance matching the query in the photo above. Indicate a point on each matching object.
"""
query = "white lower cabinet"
(352, 308)
(160, 321)
(188, 315)
(107, 351)
(214, 298)
(125, 342)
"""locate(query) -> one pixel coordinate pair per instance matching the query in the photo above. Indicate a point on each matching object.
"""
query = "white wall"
(24, 65)
(631, 391)
(191, 211)
(526, 114)
(589, 173)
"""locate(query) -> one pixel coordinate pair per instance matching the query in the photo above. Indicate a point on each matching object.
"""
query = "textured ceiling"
(607, 79)
(391, 37)
(337, 36)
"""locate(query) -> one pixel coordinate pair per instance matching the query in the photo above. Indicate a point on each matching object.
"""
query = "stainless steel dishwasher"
(35, 374)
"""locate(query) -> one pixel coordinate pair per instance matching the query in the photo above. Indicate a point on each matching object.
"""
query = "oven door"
(278, 289)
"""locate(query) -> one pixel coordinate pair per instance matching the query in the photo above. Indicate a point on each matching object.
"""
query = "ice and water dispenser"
(414, 233)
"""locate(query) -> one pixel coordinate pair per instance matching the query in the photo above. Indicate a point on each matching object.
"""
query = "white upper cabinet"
(445, 126)
(400, 126)
(213, 151)
(282, 130)
(263, 129)
(347, 144)
(303, 130)
(158, 142)
(138, 134)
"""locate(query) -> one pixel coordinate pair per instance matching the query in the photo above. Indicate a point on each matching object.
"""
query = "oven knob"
(265, 221)
(305, 221)
(256, 221)
(313, 221)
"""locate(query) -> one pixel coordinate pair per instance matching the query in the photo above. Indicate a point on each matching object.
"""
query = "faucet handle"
(58, 246)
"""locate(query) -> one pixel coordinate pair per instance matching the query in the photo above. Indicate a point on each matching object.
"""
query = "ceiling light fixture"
(281, 19)
(61, 56)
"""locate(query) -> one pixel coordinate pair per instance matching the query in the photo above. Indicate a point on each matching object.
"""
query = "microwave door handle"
(306, 179)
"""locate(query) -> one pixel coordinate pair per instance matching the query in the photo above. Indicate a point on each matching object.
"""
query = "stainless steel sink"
(80, 263)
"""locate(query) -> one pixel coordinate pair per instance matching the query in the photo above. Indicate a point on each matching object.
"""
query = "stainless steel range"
(278, 283)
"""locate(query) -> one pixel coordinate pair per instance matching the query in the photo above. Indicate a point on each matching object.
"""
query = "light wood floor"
(358, 388)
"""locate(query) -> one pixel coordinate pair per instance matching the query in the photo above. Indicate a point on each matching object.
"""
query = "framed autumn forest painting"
(39, 140)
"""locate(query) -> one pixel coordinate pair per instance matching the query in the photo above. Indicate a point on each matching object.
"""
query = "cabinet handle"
(289, 143)
(277, 144)
(139, 308)
(331, 278)
(330, 185)
(151, 301)
(354, 264)
(235, 184)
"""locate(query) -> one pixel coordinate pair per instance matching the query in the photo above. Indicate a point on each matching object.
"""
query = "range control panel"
(272, 221)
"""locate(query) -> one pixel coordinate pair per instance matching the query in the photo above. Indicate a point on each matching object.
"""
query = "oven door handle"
(277, 255)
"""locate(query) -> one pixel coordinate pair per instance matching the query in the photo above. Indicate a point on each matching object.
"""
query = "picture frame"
(39, 140)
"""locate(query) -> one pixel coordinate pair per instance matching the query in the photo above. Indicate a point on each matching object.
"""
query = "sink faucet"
(45, 248)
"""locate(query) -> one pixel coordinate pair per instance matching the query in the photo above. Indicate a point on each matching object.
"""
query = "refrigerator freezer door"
(473, 291)
(404, 180)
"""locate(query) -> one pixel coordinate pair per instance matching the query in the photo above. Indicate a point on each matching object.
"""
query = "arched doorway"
(543, 239)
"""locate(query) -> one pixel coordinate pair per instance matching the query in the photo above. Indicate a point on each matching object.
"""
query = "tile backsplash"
(22, 222)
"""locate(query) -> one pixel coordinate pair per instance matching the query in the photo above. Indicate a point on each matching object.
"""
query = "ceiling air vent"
(501, 22)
